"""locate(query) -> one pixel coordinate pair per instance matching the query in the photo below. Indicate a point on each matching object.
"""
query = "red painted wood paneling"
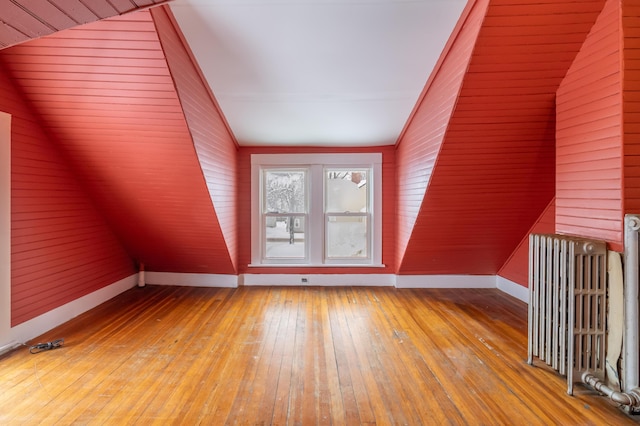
(388, 210)
(494, 172)
(105, 92)
(214, 143)
(516, 267)
(631, 104)
(61, 246)
(23, 20)
(420, 142)
(589, 137)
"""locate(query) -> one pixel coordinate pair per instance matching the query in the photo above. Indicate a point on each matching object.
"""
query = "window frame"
(317, 164)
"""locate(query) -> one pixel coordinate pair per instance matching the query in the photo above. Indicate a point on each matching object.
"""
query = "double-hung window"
(316, 209)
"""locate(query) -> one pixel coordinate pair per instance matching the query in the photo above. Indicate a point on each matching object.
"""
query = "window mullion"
(316, 215)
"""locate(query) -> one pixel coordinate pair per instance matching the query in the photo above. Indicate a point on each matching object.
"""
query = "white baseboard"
(513, 289)
(382, 280)
(446, 281)
(9, 347)
(191, 280)
(45, 322)
(364, 280)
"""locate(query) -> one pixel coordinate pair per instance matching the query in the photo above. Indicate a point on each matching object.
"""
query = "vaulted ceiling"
(312, 72)
(133, 101)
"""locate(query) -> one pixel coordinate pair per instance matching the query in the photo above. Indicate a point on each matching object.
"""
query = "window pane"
(347, 237)
(346, 191)
(284, 191)
(285, 237)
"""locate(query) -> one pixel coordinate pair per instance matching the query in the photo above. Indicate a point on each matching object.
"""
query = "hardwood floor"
(181, 355)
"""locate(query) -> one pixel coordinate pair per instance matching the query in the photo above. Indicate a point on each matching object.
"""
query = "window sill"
(323, 265)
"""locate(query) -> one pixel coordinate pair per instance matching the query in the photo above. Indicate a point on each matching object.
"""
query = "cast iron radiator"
(568, 305)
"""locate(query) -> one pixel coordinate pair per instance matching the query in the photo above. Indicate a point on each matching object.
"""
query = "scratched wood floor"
(260, 356)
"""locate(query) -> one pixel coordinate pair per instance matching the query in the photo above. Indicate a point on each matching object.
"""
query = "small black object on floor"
(41, 347)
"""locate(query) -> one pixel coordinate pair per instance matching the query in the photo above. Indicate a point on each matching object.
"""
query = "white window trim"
(316, 251)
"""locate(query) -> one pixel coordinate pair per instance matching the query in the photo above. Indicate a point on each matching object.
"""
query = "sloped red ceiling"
(104, 93)
(494, 173)
(216, 148)
(420, 143)
(23, 20)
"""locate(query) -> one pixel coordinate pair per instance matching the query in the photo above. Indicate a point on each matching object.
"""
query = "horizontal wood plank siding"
(418, 148)
(389, 171)
(61, 246)
(516, 268)
(631, 104)
(214, 143)
(495, 170)
(105, 91)
(589, 137)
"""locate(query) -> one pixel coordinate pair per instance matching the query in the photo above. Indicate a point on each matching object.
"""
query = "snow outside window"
(347, 213)
(284, 214)
(316, 209)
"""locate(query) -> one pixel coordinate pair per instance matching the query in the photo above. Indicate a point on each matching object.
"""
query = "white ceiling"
(317, 72)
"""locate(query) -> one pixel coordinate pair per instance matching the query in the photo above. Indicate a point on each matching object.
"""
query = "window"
(347, 213)
(316, 209)
(284, 213)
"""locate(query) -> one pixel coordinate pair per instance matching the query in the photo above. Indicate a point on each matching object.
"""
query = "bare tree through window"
(285, 208)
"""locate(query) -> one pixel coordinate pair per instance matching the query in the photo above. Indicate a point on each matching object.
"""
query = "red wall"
(588, 137)
(419, 145)
(61, 247)
(106, 92)
(495, 168)
(516, 268)
(388, 211)
(214, 143)
(631, 104)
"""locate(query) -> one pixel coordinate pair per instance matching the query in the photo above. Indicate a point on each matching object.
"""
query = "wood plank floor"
(305, 356)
